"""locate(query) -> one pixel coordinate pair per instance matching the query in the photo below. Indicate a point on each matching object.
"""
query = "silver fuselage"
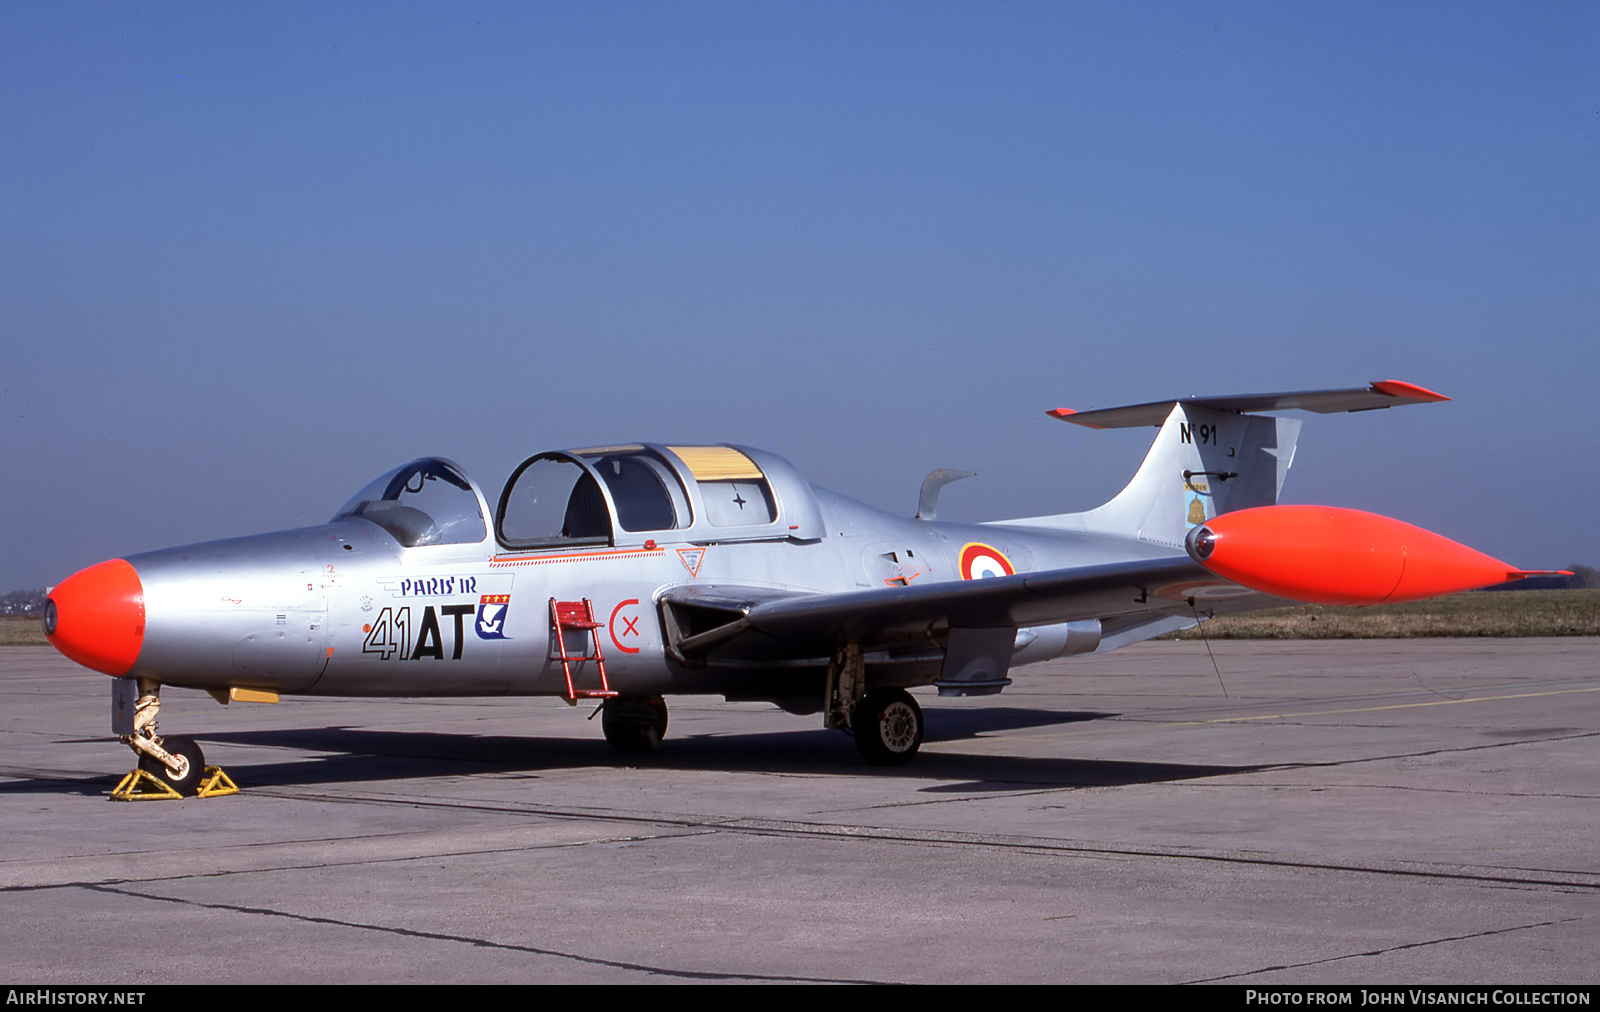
(345, 609)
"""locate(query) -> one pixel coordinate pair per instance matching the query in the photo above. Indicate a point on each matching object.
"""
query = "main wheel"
(888, 727)
(634, 725)
(189, 756)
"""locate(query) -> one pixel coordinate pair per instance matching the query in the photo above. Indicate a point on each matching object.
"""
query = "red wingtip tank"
(1330, 555)
(96, 617)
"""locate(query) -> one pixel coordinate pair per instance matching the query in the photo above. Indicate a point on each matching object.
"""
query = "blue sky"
(252, 256)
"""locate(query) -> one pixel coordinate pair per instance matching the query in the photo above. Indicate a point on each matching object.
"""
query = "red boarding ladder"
(579, 615)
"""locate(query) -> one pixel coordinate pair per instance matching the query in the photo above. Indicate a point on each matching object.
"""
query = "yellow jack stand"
(139, 785)
(216, 784)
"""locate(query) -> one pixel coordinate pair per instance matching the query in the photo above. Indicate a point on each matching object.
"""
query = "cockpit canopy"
(629, 495)
(634, 493)
(426, 502)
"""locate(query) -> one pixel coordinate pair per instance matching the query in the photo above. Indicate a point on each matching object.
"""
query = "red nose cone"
(96, 617)
(1328, 555)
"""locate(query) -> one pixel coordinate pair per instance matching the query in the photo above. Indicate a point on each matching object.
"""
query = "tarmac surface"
(1399, 811)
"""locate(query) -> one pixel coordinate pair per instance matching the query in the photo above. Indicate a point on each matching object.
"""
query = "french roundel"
(979, 561)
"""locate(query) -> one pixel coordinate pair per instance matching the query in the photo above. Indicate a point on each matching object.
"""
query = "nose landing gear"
(171, 767)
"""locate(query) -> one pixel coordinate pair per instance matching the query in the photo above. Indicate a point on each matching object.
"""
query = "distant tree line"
(22, 602)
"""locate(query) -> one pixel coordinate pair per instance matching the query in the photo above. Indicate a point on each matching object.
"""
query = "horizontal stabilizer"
(1382, 394)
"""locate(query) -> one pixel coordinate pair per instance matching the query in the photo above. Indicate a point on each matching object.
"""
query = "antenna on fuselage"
(928, 501)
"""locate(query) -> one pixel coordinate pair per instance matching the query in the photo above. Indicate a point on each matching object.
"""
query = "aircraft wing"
(754, 623)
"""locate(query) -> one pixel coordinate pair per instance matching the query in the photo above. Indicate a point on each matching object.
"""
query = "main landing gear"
(634, 725)
(885, 721)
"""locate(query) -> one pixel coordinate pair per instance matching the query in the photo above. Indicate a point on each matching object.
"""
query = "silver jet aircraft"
(628, 573)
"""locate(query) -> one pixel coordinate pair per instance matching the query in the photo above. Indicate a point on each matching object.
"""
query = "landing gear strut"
(634, 725)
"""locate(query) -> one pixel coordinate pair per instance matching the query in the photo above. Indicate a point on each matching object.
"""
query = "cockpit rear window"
(425, 502)
(734, 490)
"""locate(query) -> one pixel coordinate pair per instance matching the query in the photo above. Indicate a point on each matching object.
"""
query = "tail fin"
(1202, 464)
(1212, 458)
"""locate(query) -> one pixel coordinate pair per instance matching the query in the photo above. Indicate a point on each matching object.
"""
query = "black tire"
(888, 727)
(189, 751)
(634, 725)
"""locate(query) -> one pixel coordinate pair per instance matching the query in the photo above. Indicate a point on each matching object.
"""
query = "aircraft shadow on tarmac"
(66, 782)
(351, 755)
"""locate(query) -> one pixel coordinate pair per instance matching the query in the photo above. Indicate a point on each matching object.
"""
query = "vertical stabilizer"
(1202, 463)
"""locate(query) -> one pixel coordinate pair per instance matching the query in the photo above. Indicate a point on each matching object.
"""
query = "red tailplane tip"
(1409, 391)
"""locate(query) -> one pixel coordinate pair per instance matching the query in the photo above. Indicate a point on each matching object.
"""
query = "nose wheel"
(191, 763)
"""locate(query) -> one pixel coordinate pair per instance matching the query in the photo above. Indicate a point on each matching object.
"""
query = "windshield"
(425, 502)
